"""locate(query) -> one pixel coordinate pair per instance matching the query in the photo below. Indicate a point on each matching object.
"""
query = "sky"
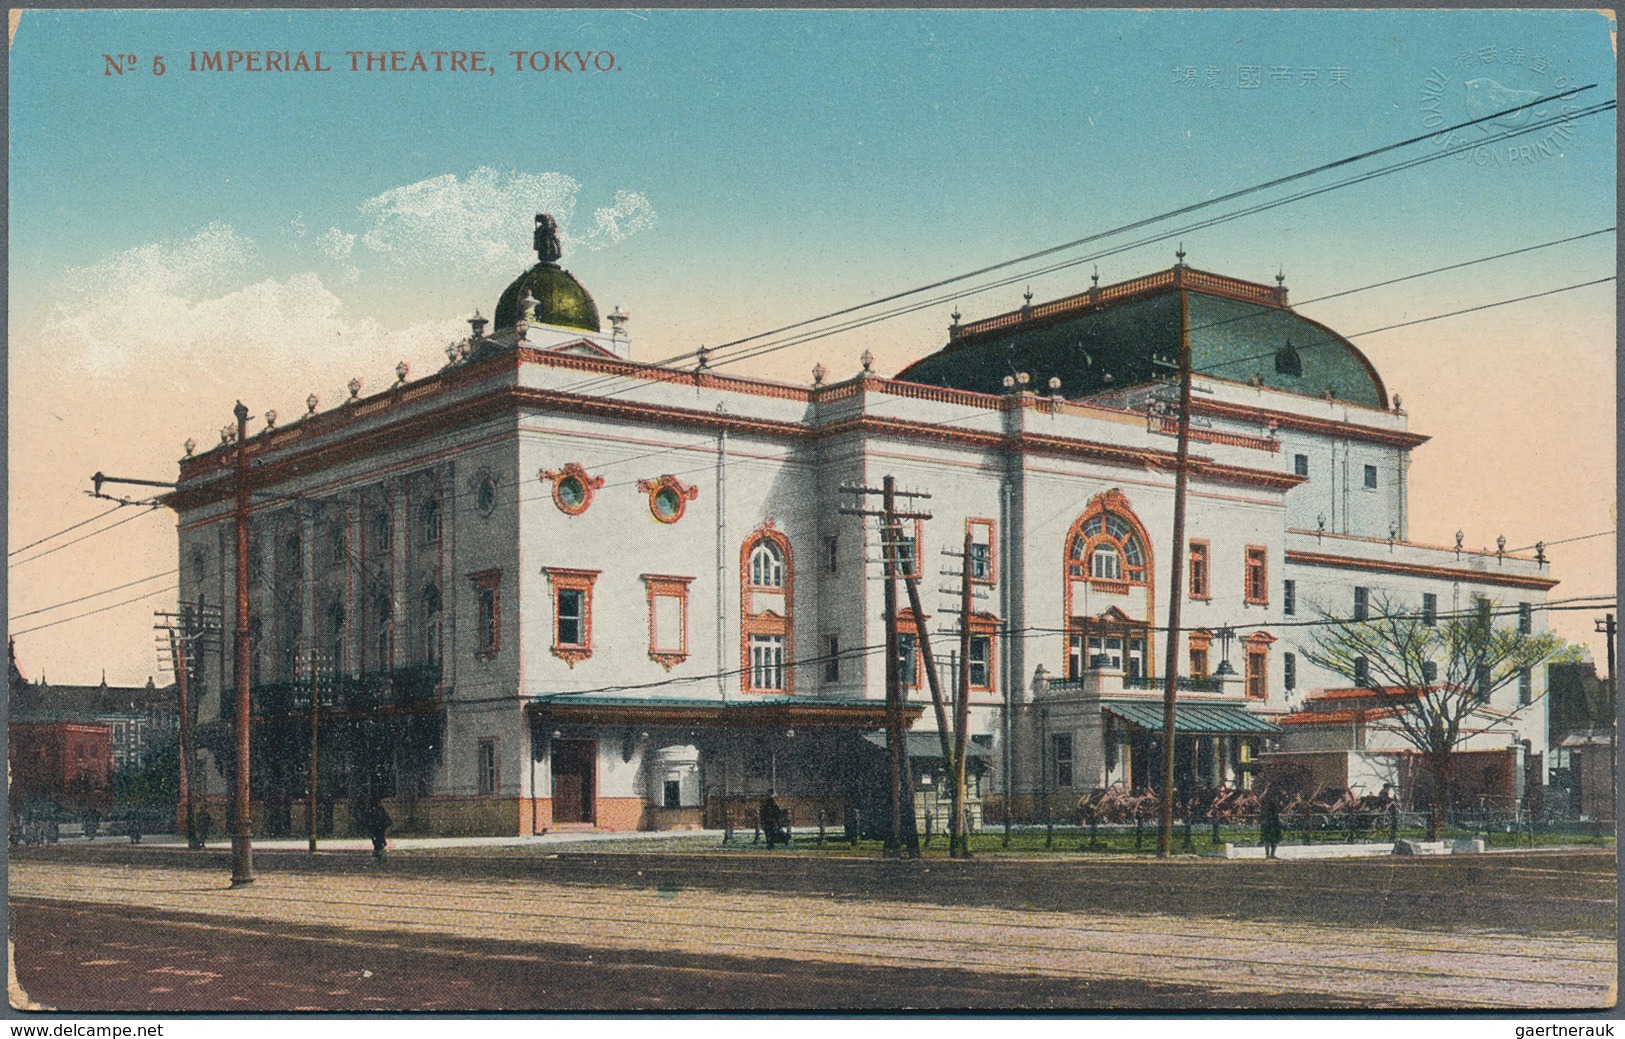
(178, 241)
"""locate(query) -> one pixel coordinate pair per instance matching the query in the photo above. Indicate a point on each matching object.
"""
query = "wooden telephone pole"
(896, 837)
(1176, 590)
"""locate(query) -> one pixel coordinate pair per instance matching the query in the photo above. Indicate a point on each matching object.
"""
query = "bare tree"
(1435, 675)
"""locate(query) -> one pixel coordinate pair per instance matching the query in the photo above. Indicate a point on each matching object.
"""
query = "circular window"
(667, 504)
(572, 494)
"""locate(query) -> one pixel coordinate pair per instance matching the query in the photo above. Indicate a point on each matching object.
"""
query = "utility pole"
(959, 837)
(315, 661)
(196, 632)
(889, 517)
(1607, 627)
(242, 840)
(1176, 590)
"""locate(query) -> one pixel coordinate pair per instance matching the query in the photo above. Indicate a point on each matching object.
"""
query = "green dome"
(560, 300)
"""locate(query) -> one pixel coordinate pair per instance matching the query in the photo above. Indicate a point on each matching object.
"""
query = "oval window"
(667, 503)
(487, 495)
(572, 493)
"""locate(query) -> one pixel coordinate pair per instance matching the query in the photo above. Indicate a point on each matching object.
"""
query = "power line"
(93, 595)
(85, 537)
(1190, 228)
(1567, 541)
(64, 530)
(90, 613)
(1135, 225)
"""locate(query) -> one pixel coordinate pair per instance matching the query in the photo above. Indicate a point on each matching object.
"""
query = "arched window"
(1109, 547)
(766, 639)
(766, 566)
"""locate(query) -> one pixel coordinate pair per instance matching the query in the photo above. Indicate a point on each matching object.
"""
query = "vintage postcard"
(679, 511)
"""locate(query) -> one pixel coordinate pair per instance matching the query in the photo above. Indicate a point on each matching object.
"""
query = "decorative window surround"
(562, 579)
(572, 487)
(668, 497)
(668, 649)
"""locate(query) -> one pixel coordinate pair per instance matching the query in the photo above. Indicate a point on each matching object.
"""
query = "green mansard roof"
(1106, 338)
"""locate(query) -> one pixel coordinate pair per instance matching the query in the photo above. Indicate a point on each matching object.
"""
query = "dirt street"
(163, 932)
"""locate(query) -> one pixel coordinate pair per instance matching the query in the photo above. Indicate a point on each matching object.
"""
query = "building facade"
(550, 587)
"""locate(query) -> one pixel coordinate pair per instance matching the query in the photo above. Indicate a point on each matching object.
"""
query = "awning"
(1192, 718)
(928, 745)
(753, 712)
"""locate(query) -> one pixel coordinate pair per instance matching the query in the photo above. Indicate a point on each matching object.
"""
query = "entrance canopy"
(747, 712)
(928, 745)
(1192, 718)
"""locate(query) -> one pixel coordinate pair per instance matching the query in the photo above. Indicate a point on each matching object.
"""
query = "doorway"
(575, 771)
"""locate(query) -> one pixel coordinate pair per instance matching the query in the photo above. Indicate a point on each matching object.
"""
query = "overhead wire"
(64, 530)
(84, 537)
(815, 334)
(95, 595)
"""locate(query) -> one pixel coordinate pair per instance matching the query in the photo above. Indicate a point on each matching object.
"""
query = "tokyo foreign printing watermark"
(1482, 81)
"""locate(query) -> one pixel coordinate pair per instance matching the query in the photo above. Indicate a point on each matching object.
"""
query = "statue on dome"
(547, 239)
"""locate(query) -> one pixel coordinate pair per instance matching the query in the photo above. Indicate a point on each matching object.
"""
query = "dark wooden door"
(574, 769)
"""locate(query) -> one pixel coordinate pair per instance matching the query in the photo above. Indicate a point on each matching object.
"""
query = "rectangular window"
(1075, 662)
(1370, 477)
(1526, 686)
(488, 593)
(1526, 619)
(429, 521)
(908, 660)
(1300, 465)
(1061, 753)
(1362, 603)
(1430, 609)
(1258, 581)
(1483, 607)
(672, 794)
(1289, 671)
(1481, 681)
(338, 549)
(668, 618)
(1362, 672)
(1430, 671)
(981, 562)
(572, 611)
(1199, 659)
(1199, 570)
(382, 532)
(981, 659)
(832, 555)
(1289, 598)
(1258, 674)
(908, 551)
(767, 662)
(487, 766)
(832, 658)
(570, 617)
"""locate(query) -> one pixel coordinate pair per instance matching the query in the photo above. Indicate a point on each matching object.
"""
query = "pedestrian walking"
(1270, 830)
(378, 823)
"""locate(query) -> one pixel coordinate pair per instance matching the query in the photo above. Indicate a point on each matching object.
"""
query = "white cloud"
(630, 214)
(197, 305)
(335, 243)
(481, 223)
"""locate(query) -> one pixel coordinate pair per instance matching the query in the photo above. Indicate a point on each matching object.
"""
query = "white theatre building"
(551, 587)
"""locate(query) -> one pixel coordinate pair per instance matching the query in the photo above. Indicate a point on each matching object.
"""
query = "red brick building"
(69, 764)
